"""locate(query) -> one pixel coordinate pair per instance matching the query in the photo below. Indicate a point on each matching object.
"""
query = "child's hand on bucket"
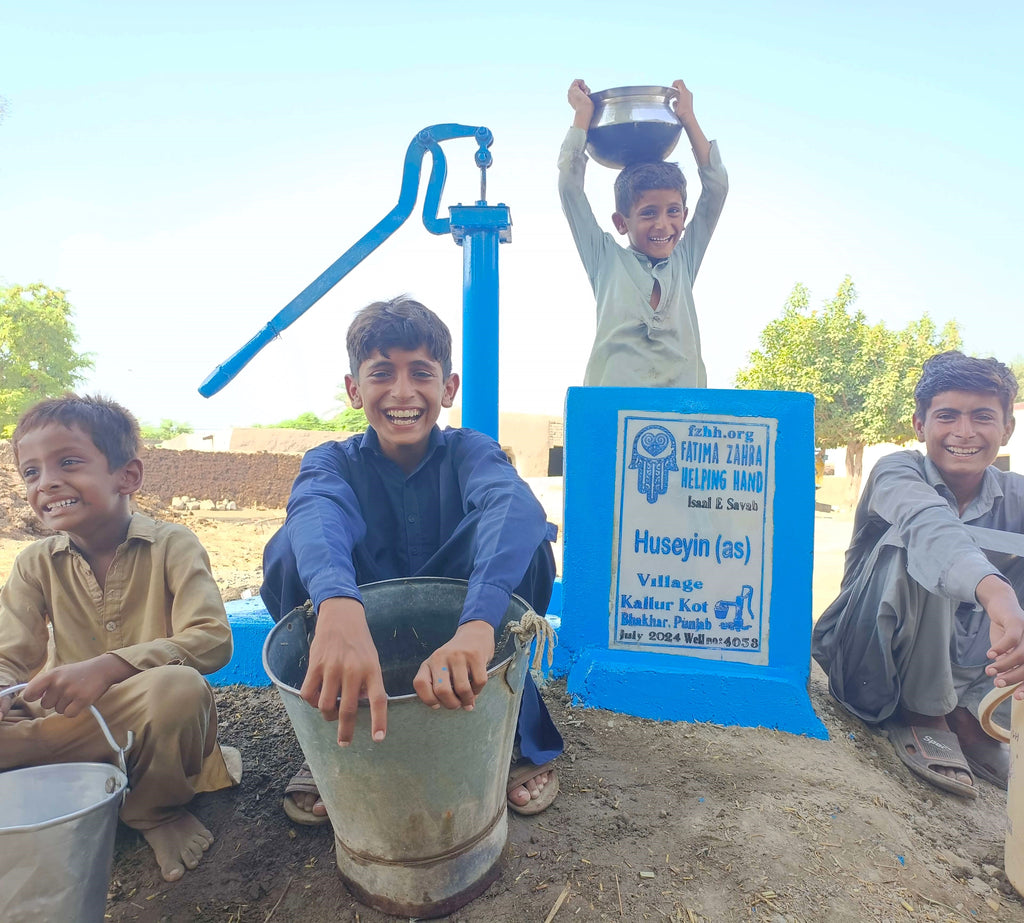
(72, 687)
(456, 672)
(344, 668)
(1006, 632)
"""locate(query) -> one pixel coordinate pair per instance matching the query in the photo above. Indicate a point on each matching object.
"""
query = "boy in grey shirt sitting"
(925, 622)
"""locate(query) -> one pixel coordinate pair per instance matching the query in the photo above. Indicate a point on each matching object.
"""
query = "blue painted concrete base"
(250, 624)
(673, 688)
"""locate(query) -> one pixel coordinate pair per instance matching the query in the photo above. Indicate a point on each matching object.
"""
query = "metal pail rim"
(102, 803)
(492, 670)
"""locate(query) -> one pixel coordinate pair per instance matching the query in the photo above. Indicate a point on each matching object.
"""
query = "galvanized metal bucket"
(57, 825)
(419, 819)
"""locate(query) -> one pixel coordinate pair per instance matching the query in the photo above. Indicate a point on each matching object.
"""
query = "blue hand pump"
(477, 228)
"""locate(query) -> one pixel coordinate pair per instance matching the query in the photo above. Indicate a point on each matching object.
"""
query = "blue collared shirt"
(355, 517)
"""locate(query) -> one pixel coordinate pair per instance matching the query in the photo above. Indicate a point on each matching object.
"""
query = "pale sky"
(185, 169)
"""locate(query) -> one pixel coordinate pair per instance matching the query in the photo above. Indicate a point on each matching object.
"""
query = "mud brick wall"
(260, 479)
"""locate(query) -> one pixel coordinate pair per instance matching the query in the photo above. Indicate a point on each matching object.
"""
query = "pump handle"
(426, 140)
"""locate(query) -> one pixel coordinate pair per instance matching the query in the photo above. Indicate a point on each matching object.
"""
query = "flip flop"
(523, 770)
(932, 747)
(302, 782)
(997, 776)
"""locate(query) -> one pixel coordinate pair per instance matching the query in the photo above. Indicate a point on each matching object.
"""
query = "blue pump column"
(479, 229)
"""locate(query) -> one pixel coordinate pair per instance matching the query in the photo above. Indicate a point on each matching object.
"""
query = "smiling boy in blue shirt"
(409, 499)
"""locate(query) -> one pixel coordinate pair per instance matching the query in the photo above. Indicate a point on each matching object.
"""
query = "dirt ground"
(655, 820)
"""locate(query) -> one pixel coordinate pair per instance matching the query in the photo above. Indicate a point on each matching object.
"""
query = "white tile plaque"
(692, 546)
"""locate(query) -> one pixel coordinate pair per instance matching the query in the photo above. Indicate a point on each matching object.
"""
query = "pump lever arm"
(426, 140)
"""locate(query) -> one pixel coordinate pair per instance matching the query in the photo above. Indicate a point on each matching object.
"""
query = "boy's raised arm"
(572, 165)
(684, 112)
(582, 104)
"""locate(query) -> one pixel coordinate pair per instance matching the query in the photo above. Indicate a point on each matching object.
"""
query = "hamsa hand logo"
(654, 456)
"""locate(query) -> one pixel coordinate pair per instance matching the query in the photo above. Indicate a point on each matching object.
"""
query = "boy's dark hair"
(639, 178)
(400, 323)
(953, 371)
(113, 429)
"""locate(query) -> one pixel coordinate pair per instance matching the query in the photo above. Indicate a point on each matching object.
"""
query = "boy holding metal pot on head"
(405, 499)
(647, 333)
(136, 619)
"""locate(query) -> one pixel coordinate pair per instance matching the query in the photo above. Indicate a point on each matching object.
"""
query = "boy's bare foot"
(302, 801)
(915, 719)
(989, 758)
(179, 844)
(530, 789)
(309, 803)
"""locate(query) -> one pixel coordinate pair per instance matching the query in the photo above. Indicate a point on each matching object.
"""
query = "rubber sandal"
(932, 747)
(523, 770)
(302, 782)
(999, 777)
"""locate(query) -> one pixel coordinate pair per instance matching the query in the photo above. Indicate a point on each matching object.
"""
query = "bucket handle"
(988, 705)
(120, 751)
(532, 626)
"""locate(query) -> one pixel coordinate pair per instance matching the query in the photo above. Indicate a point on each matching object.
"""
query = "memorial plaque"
(692, 540)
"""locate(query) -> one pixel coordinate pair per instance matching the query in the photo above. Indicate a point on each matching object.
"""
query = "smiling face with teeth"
(402, 393)
(654, 223)
(962, 432)
(71, 488)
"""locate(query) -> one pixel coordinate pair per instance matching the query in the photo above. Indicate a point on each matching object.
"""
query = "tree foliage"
(862, 376)
(37, 348)
(1017, 367)
(167, 429)
(352, 420)
(349, 420)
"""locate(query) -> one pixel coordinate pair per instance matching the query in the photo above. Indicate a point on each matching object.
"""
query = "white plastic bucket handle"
(120, 751)
(988, 705)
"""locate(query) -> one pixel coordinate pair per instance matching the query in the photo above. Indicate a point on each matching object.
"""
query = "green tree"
(352, 420)
(167, 429)
(349, 420)
(862, 376)
(307, 421)
(1017, 367)
(37, 348)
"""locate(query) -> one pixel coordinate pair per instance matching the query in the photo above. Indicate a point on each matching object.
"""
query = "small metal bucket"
(419, 819)
(57, 825)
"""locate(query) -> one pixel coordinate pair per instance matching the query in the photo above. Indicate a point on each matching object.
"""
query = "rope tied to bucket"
(532, 626)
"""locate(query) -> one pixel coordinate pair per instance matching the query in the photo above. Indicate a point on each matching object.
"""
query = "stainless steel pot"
(632, 125)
